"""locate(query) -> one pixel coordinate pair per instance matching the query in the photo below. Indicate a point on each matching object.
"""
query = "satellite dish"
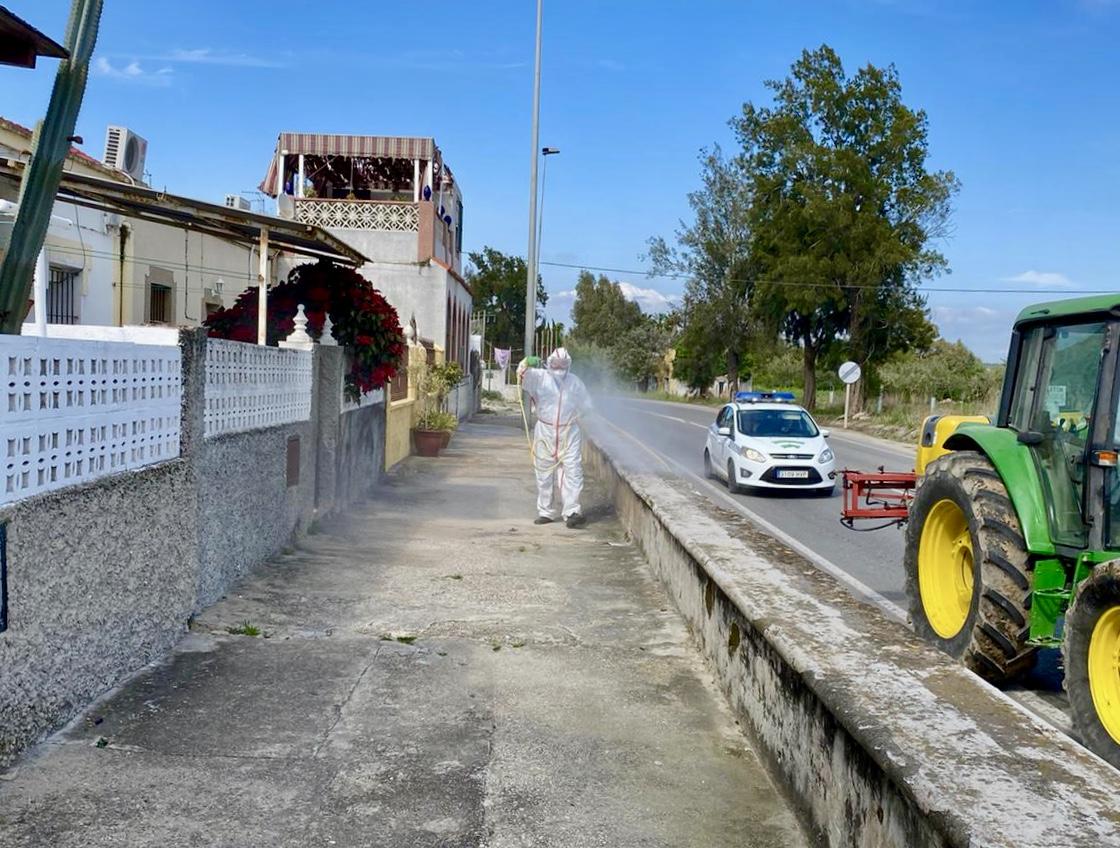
(286, 206)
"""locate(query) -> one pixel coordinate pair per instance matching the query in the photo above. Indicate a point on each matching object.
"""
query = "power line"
(806, 284)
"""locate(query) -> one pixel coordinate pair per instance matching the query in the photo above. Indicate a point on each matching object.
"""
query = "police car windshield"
(775, 423)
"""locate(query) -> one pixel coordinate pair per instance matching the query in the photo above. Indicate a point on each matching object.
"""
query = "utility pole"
(41, 179)
(531, 275)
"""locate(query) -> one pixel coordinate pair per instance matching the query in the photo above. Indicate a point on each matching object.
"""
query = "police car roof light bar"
(763, 397)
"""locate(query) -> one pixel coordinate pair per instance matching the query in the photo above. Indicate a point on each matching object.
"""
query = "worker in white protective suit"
(560, 398)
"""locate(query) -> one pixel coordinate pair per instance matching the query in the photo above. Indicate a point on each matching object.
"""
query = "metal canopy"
(236, 225)
(21, 44)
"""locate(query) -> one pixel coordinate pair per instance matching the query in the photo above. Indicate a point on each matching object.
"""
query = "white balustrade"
(359, 215)
(73, 411)
(252, 386)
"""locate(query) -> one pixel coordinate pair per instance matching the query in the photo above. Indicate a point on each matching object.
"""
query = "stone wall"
(103, 577)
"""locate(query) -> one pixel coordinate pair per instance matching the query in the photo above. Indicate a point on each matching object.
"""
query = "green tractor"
(1015, 526)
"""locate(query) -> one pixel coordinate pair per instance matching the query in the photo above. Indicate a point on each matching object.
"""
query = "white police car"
(765, 441)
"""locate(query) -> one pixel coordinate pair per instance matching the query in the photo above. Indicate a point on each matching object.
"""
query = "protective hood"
(560, 361)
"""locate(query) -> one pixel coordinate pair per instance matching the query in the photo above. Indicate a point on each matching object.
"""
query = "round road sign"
(849, 372)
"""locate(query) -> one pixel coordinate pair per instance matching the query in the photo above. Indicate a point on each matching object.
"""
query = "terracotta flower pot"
(428, 442)
(446, 438)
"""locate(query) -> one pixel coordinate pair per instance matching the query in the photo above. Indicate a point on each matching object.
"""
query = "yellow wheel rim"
(1104, 671)
(945, 569)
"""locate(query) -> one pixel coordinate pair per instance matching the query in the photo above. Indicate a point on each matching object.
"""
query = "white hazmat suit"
(560, 398)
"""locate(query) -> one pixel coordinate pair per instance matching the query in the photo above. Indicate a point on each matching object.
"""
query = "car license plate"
(793, 475)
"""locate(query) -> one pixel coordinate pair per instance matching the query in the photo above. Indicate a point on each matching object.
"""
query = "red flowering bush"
(362, 320)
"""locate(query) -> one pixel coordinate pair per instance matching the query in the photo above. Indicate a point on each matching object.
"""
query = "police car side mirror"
(826, 433)
(724, 431)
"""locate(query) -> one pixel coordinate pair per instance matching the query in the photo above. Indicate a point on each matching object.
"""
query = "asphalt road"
(677, 432)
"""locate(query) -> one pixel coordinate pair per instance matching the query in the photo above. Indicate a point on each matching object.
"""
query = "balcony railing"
(387, 216)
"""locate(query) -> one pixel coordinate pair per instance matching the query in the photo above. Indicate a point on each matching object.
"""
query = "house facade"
(79, 250)
(118, 254)
(396, 201)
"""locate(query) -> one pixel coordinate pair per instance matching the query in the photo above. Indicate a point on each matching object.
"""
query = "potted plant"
(427, 435)
(431, 433)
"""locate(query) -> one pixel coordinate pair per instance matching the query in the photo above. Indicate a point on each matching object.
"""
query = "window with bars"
(62, 296)
(159, 304)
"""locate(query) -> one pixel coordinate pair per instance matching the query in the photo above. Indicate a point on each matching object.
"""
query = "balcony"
(435, 239)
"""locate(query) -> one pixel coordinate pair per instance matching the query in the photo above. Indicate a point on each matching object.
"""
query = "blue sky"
(1022, 98)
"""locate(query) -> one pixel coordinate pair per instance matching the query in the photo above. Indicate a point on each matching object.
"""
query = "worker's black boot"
(575, 521)
(540, 519)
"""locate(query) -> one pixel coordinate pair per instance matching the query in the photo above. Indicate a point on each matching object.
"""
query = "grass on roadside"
(245, 628)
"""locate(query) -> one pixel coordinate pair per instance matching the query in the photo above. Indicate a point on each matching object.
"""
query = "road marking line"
(856, 585)
(678, 420)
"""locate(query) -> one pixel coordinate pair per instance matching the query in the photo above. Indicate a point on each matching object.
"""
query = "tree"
(498, 283)
(601, 314)
(696, 363)
(843, 212)
(945, 370)
(713, 251)
(639, 353)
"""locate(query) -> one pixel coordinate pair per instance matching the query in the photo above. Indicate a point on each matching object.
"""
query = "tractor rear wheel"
(1091, 654)
(967, 567)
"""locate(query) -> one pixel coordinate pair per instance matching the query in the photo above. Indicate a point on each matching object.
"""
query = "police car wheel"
(732, 483)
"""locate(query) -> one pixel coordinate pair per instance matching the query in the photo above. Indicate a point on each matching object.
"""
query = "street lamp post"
(531, 271)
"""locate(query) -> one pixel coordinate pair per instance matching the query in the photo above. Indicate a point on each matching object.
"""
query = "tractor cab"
(1060, 399)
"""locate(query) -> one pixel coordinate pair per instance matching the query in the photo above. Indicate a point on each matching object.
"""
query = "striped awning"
(367, 146)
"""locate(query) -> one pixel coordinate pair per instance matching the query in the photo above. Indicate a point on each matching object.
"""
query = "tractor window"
(1056, 391)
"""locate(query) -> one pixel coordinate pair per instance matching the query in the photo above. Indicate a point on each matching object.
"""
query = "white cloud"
(209, 56)
(1051, 279)
(965, 314)
(133, 72)
(650, 300)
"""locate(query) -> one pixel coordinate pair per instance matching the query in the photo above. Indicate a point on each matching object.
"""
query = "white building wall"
(416, 291)
(201, 270)
(84, 242)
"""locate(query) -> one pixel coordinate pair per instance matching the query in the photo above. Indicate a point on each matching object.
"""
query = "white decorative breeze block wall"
(73, 411)
(252, 386)
(359, 215)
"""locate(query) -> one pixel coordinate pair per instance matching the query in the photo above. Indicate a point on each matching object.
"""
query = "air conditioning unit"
(126, 151)
(236, 201)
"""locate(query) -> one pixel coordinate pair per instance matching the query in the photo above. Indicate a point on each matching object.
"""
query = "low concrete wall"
(884, 741)
(462, 401)
(102, 578)
(398, 432)
(247, 512)
(361, 452)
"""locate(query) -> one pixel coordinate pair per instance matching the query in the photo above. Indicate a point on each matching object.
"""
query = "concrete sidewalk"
(434, 670)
